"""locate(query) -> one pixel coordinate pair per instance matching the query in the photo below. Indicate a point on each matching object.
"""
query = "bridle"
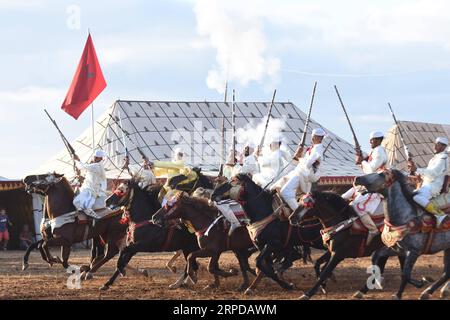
(48, 182)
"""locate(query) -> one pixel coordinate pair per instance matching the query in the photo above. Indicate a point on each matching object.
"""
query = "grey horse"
(401, 210)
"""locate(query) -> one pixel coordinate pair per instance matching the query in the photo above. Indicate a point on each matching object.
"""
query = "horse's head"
(170, 210)
(377, 182)
(228, 190)
(329, 207)
(120, 196)
(140, 203)
(41, 183)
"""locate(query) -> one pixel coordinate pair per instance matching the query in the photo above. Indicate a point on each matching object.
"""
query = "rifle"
(407, 153)
(261, 144)
(308, 118)
(357, 145)
(69, 147)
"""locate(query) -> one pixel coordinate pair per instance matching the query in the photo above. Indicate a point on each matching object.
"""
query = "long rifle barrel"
(407, 153)
(355, 139)
(305, 129)
(261, 144)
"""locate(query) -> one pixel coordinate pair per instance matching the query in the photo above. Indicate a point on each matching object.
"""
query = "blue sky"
(374, 51)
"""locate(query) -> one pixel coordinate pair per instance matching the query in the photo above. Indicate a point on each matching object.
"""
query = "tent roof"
(158, 127)
(419, 137)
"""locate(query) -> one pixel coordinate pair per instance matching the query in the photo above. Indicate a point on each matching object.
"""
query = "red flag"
(87, 83)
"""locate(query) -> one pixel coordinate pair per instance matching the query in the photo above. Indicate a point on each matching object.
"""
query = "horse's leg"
(242, 258)
(256, 281)
(323, 259)
(125, 256)
(191, 262)
(331, 265)
(379, 259)
(111, 251)
(65, 253)
(445, 276)
(213, 268)
(30, 248)
(410, 260)
(45, 246)
(172, 260)
(265, 264)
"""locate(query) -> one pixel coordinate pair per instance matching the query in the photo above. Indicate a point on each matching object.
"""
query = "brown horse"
(58, 202)
(212, 237)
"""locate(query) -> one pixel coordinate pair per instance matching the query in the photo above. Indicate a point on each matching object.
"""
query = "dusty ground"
(43, 282)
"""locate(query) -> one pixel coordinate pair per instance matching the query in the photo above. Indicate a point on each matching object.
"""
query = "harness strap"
(288, 238)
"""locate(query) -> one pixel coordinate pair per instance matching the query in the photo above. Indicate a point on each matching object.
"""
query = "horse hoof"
(248, 292)
(25, 266)
(123, 273)
(395, 297)
(88, 276)
(84, 268)
(427, 280)
(104, 288)
(193, 278)
(324, 291)
(288, 286)
(175, 285)
(444, 294)
(425, 296)
(210, 287)
(358, 295)
(304, 297)
(233, 272)
(241, 288)
(144, 272)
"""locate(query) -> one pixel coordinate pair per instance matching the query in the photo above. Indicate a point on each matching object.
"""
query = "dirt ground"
(41, 281)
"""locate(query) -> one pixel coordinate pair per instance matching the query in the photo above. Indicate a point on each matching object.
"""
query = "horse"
(212, 236)
(281, 234)
(336, 217)
(145, 236)
(59, 202)
(403, 216)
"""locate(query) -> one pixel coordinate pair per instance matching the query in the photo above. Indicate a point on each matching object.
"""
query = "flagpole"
(92, 124)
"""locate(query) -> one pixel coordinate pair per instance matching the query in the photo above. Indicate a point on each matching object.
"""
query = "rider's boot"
(370, 225)
(440, 215)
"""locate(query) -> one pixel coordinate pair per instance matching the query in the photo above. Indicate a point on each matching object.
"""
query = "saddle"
(236, 208)
(285, 211)
(102, 213)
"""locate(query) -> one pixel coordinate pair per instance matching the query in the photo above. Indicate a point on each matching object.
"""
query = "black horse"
(278, 240)
(144, 236)
(334, 212)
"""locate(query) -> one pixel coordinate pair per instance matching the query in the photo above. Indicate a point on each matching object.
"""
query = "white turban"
(319, 132)
(442, 140)
(99, 154)
(376, 134)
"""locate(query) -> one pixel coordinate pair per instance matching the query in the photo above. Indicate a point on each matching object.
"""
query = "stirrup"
(233, 228)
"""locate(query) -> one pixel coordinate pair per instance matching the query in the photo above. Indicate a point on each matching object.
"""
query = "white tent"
(158, 127)
(419, 137)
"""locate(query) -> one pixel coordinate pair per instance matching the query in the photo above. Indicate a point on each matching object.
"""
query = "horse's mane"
(406, 188)
(265, 194)
(66, 185)
(337, 200)
(200, 204)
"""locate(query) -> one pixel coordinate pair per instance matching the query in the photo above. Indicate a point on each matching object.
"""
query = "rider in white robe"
(250, 163)
(433, 177)
(365, 203)
(93, 190)
(271, 165)
(306, 172)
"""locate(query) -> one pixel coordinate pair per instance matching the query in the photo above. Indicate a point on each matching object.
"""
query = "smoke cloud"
(236, 33)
